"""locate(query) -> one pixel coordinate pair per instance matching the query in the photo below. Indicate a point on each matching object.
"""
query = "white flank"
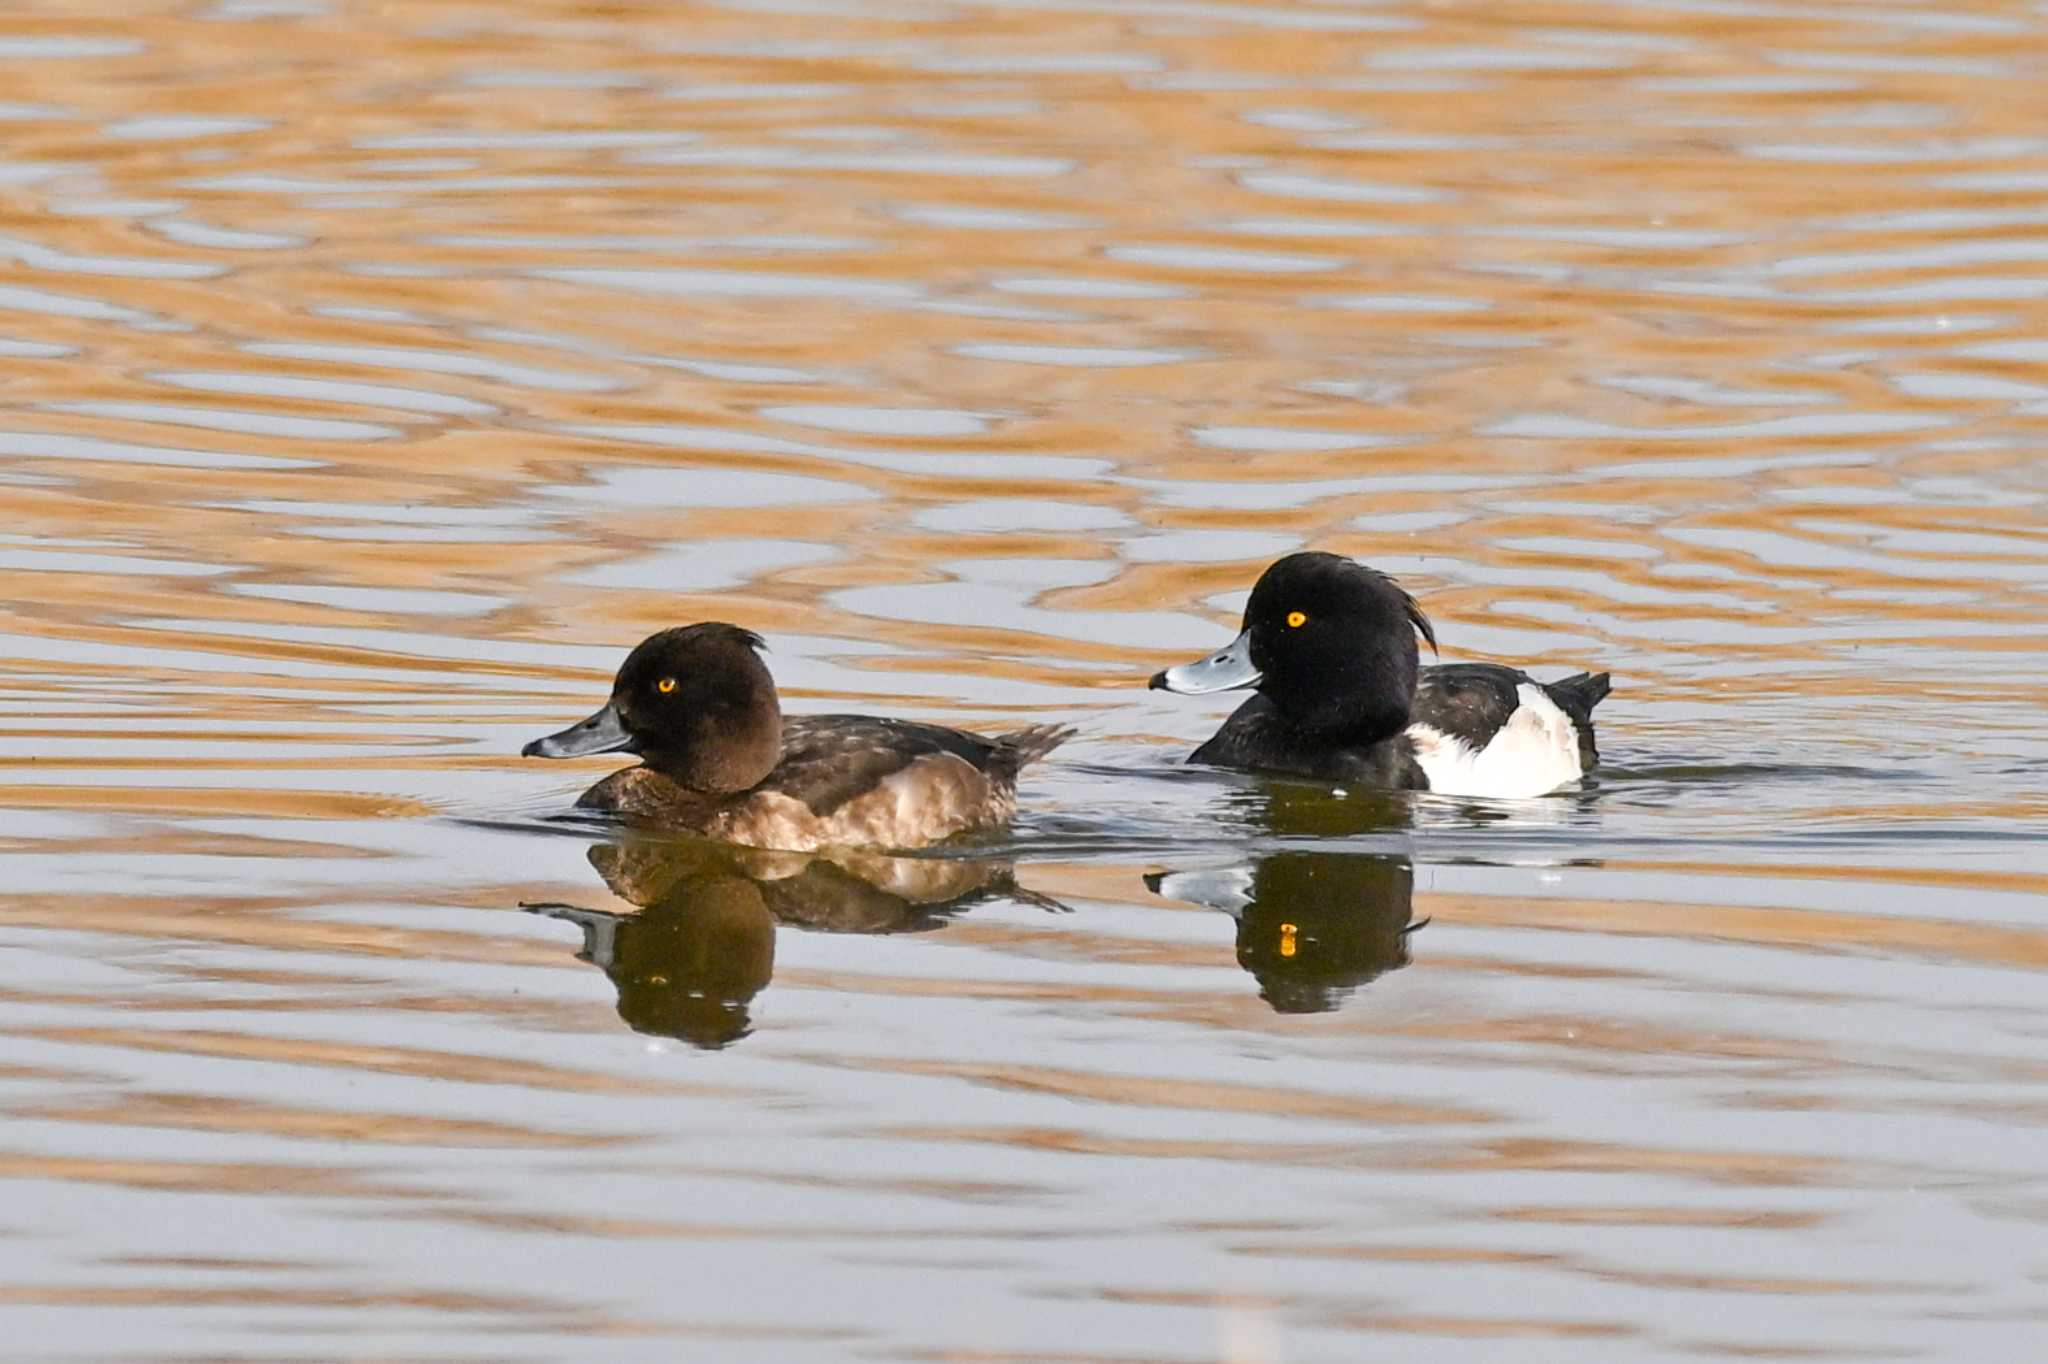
(1226, 888)
(1534, 753)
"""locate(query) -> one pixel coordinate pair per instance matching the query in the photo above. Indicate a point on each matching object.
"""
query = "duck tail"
(1022, 746)
(1578, 694)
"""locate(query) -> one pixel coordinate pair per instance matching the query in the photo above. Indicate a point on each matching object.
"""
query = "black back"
(1468, 701)
(1471, 701)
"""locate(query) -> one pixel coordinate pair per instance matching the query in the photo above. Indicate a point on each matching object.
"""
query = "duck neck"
(1362, 702)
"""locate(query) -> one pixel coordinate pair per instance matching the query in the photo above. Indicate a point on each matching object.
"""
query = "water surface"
(378, 374)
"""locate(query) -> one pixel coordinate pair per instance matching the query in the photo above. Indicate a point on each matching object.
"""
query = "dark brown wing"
(828, 760)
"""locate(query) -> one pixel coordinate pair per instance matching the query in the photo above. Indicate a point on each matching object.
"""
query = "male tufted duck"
(1329, 644)
(718, 758)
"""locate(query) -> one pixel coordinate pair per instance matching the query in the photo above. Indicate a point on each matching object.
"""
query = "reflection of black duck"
(703, 944)
(1293, 808)
(1311, 926)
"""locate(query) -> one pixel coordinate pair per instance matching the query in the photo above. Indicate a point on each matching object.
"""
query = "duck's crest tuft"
(716, 629)
(1420, 621)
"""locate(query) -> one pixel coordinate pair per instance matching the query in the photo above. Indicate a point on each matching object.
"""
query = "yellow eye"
(1296, 619)
(665, 686)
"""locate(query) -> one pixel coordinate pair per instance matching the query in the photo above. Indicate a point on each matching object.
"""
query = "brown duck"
(697, 705)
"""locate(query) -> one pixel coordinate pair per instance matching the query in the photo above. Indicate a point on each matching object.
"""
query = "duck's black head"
(696, 703)
(1329, 641)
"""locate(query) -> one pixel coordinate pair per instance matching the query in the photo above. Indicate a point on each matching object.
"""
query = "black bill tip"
(603, 732)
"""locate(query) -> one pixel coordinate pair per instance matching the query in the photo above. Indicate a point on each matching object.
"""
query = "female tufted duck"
(1330, 646)
(717, 758)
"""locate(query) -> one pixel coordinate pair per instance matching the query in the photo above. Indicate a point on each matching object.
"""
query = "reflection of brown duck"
(685, 967)
(703, 944)
(1311, 926)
